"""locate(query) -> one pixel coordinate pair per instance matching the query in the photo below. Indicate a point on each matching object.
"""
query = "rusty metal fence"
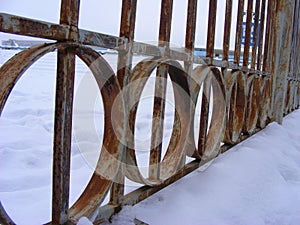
(260, 85)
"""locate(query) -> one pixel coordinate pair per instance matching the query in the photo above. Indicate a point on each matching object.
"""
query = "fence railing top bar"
(19, 25)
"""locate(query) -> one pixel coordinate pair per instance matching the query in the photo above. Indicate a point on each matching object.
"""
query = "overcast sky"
(104, 16)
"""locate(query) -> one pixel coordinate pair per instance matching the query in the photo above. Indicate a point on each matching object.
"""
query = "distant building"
(20, 44)
(23, 44)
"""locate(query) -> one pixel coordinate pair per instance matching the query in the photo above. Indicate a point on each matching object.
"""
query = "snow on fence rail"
(260, 85)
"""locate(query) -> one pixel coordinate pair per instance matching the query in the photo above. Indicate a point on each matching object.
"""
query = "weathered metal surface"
(212, 13)
(69, 14)
(268, 38)
(4, 218)
(288, 98)
(227, 27)
(248, 33)
(99, 185)
(62, 135)
(171, 161)
(236, 101)
(261, 35)
(264, 111)
(206, 94)
(127, 28)
(165, 22)
(255, 33)
(205, 101)
(160, 92)
(60, 32)
(191, 25)
(112, 150)
(281, 49)
(63, 119)
(238, 34)
(253, 96)
(242, 100)
(189, 64)
(294, 68)
(215, 83)
(143, 192)
(10, 72)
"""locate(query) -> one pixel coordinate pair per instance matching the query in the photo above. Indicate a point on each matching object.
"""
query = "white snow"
(256, 182)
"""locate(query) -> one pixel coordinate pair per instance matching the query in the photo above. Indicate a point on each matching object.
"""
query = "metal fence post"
(282, 30)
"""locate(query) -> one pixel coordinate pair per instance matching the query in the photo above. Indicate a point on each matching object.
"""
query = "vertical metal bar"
(296, 47)
(190, 32)
(295, 37)
(191, 25)
(69, 13)
(204, 116)
(297, 34)
(62, 135)
(206, 86)
(117, 188)
(160, 92)
(281, 52)
(248, 33)
(255, 33)
(261, 35)
(127, 28)
(293, 73)
(63, 119)
(190, 42)
(211, 29)
(268, 39)
(165, 21)
(227, 28)
(238, 36)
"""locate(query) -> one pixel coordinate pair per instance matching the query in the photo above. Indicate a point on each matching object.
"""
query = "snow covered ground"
(256, 182)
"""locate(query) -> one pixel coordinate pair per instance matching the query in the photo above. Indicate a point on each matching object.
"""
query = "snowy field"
(257, 182)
